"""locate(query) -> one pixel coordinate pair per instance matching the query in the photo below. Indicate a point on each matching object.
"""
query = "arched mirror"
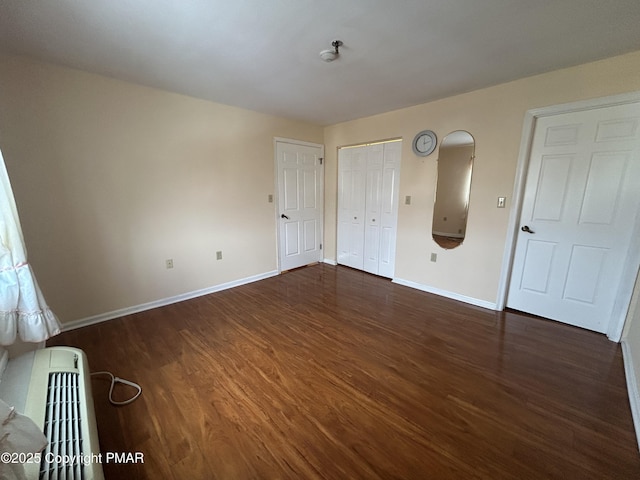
(455, 164)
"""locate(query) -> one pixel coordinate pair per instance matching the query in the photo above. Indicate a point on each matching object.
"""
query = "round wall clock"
(424, 143)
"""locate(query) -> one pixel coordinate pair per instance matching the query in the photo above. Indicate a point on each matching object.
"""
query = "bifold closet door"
(368, 181)
(384, 222)
(373, 204)
(352, 164)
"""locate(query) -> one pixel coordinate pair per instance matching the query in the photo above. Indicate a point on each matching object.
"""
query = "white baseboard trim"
(103, 317)
(632, 387)
(445, 293)
(330, 262)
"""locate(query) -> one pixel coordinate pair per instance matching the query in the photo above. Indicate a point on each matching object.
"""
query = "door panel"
(538, 262)
(291, 238)
(584, 273)
(386, 255)
(550, 198)
(356, 247)
(581, 197)
(310, 192)
(290, 189)
(617, 129)
(604, 185)
(371, 248)
(300, 204)
(310, 228)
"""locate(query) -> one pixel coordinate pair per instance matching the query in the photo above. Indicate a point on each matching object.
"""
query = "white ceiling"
(263, 54)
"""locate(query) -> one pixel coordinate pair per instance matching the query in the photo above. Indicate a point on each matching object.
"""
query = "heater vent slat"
(63, 427)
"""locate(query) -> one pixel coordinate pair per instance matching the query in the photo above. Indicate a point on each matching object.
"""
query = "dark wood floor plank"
(330, 373)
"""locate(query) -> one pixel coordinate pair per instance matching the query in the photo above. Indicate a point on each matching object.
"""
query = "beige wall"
(494, 116)
(111, 179)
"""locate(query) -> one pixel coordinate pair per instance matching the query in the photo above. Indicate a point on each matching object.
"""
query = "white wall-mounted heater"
(59, 400)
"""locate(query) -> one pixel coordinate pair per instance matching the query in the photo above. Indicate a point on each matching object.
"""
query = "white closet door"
(345, 192)
(373, 202)
(368, 181)
(389, 209)
(351, 206)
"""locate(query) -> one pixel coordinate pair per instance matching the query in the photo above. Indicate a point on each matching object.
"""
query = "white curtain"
(23, 310)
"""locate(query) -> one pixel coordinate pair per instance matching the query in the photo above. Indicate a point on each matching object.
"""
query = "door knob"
(284, 216)
(527, 229)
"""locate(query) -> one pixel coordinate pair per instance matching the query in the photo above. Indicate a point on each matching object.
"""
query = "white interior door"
(581, 197)
(300, 204)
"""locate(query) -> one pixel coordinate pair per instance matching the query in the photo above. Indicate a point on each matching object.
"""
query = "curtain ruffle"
(29, 327)
(23, 310)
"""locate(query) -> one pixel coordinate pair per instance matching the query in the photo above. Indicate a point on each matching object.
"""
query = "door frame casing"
(276, 193)
(632, 265)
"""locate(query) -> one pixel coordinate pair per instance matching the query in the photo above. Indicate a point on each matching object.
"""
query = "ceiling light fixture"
(330, 55)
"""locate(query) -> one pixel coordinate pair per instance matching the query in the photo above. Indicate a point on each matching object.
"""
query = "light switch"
(407, 200)
(501, 201)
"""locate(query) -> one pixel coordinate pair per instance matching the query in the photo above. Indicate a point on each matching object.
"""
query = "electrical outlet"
(219, 255)
(270, 198)
(434, 257)
(169, 263)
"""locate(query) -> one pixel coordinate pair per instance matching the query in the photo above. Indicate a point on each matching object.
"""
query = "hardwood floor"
(330, 373)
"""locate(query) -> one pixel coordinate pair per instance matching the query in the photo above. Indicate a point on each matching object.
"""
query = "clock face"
(424, 143)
